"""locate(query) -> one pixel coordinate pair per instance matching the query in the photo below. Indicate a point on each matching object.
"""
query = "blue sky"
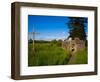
(48, 27)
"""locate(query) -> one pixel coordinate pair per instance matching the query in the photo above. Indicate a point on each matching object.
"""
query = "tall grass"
(51, 54)
(47, 54)
(81, 57)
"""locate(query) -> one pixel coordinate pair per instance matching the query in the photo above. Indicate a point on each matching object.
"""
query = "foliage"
(54, 41)
(47, 54)
(30, 40)
(52, 54)
(82, 57)
(59, 43)
(76, 27)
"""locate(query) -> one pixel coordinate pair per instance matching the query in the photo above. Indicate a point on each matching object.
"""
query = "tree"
(76, 27)
(54, 41)
(59, 42)
(30, 41)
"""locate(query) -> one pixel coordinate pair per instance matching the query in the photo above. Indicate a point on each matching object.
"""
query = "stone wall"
(73, 45)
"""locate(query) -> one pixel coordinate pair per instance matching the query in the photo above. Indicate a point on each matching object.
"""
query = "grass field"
(51, 54)
(79, 57)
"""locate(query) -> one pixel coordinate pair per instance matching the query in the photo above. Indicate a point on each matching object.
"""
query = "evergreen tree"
(76, 27)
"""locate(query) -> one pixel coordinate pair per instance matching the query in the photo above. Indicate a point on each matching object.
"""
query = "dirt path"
(72, 59)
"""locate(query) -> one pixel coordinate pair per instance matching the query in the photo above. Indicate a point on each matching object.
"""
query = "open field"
(45, 54)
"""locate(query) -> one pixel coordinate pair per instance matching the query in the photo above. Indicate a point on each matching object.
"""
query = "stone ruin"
(73, 45)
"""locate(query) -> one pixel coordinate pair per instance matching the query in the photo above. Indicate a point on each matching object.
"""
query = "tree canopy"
(76, 27)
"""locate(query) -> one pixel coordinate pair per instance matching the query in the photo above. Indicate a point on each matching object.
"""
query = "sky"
(48, 27)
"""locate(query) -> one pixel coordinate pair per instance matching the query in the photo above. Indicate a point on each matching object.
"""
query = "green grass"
(51, 54)
(82, 57)
(47, 54)
(79, 57)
